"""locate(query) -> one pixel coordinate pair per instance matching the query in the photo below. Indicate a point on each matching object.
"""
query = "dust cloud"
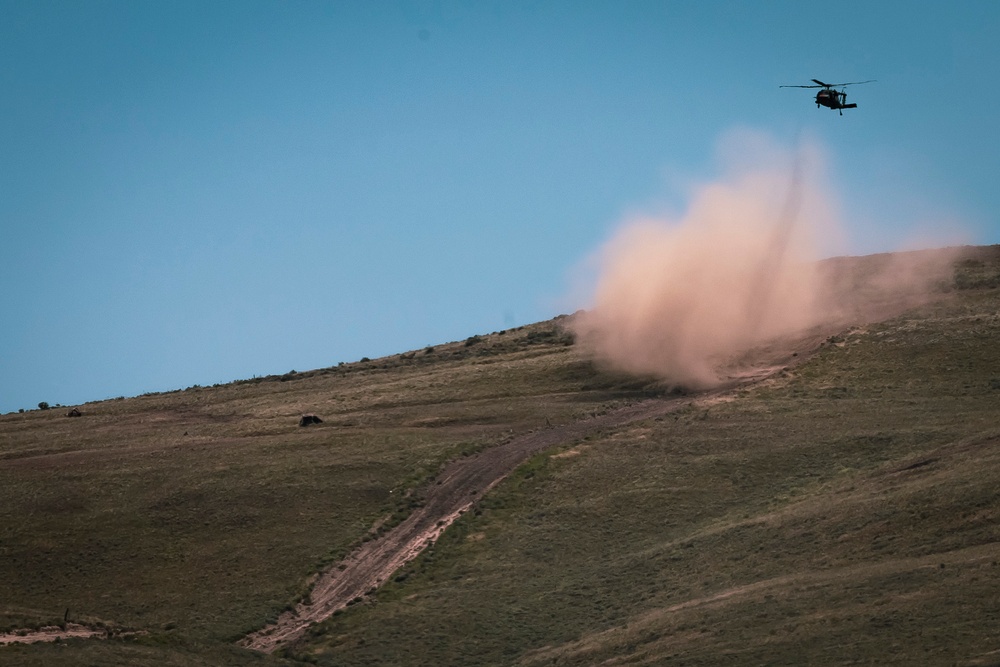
(682, 297)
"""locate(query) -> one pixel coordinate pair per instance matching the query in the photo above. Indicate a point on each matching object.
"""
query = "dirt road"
(51, 633)
(454, 491)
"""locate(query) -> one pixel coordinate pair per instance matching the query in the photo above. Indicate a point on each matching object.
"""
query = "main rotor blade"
(850, 83)
(824, 85)
(801, 86)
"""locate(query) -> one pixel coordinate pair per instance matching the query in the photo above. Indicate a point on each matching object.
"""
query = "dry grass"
(845, 513)
(198, 515)
(842, 513)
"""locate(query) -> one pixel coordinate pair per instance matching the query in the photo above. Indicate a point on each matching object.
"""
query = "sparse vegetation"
(208, 510)
(843, 512)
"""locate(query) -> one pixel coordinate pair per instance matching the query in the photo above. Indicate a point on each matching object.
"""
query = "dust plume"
(684, 297)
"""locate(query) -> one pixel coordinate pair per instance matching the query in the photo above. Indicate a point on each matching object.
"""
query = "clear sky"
(198, 192)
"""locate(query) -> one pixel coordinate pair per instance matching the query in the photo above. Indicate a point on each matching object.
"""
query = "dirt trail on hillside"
(462, 482)
(51, 633)
(453, 492)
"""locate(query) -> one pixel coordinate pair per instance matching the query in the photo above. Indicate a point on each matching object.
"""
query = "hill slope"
(841, 511)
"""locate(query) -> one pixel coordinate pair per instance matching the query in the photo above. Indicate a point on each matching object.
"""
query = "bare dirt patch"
(570, 453)
(51, 633)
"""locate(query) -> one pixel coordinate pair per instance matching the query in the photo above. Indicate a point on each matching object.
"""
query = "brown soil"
(50, 633)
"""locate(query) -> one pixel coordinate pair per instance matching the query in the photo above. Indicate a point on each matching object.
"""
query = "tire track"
(454, 491)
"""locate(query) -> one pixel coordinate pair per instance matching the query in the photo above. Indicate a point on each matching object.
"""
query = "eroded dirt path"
(453, 492)
(51, 633)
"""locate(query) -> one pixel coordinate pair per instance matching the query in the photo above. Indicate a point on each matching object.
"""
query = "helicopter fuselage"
(832, 99)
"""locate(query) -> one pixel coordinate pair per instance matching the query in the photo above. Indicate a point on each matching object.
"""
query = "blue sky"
(198, 192)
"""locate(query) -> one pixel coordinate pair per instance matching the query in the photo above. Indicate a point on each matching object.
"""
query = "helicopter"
(833, 99)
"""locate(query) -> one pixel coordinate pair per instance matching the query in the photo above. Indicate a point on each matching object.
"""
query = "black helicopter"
(833, 99)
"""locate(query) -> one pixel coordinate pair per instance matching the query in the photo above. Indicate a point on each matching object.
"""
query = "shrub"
(43, 406)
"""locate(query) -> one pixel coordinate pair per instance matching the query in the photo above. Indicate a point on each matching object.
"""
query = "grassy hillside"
(843, 512)
(197, 516)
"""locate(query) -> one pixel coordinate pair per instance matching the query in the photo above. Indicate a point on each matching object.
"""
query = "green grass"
(844, 512)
